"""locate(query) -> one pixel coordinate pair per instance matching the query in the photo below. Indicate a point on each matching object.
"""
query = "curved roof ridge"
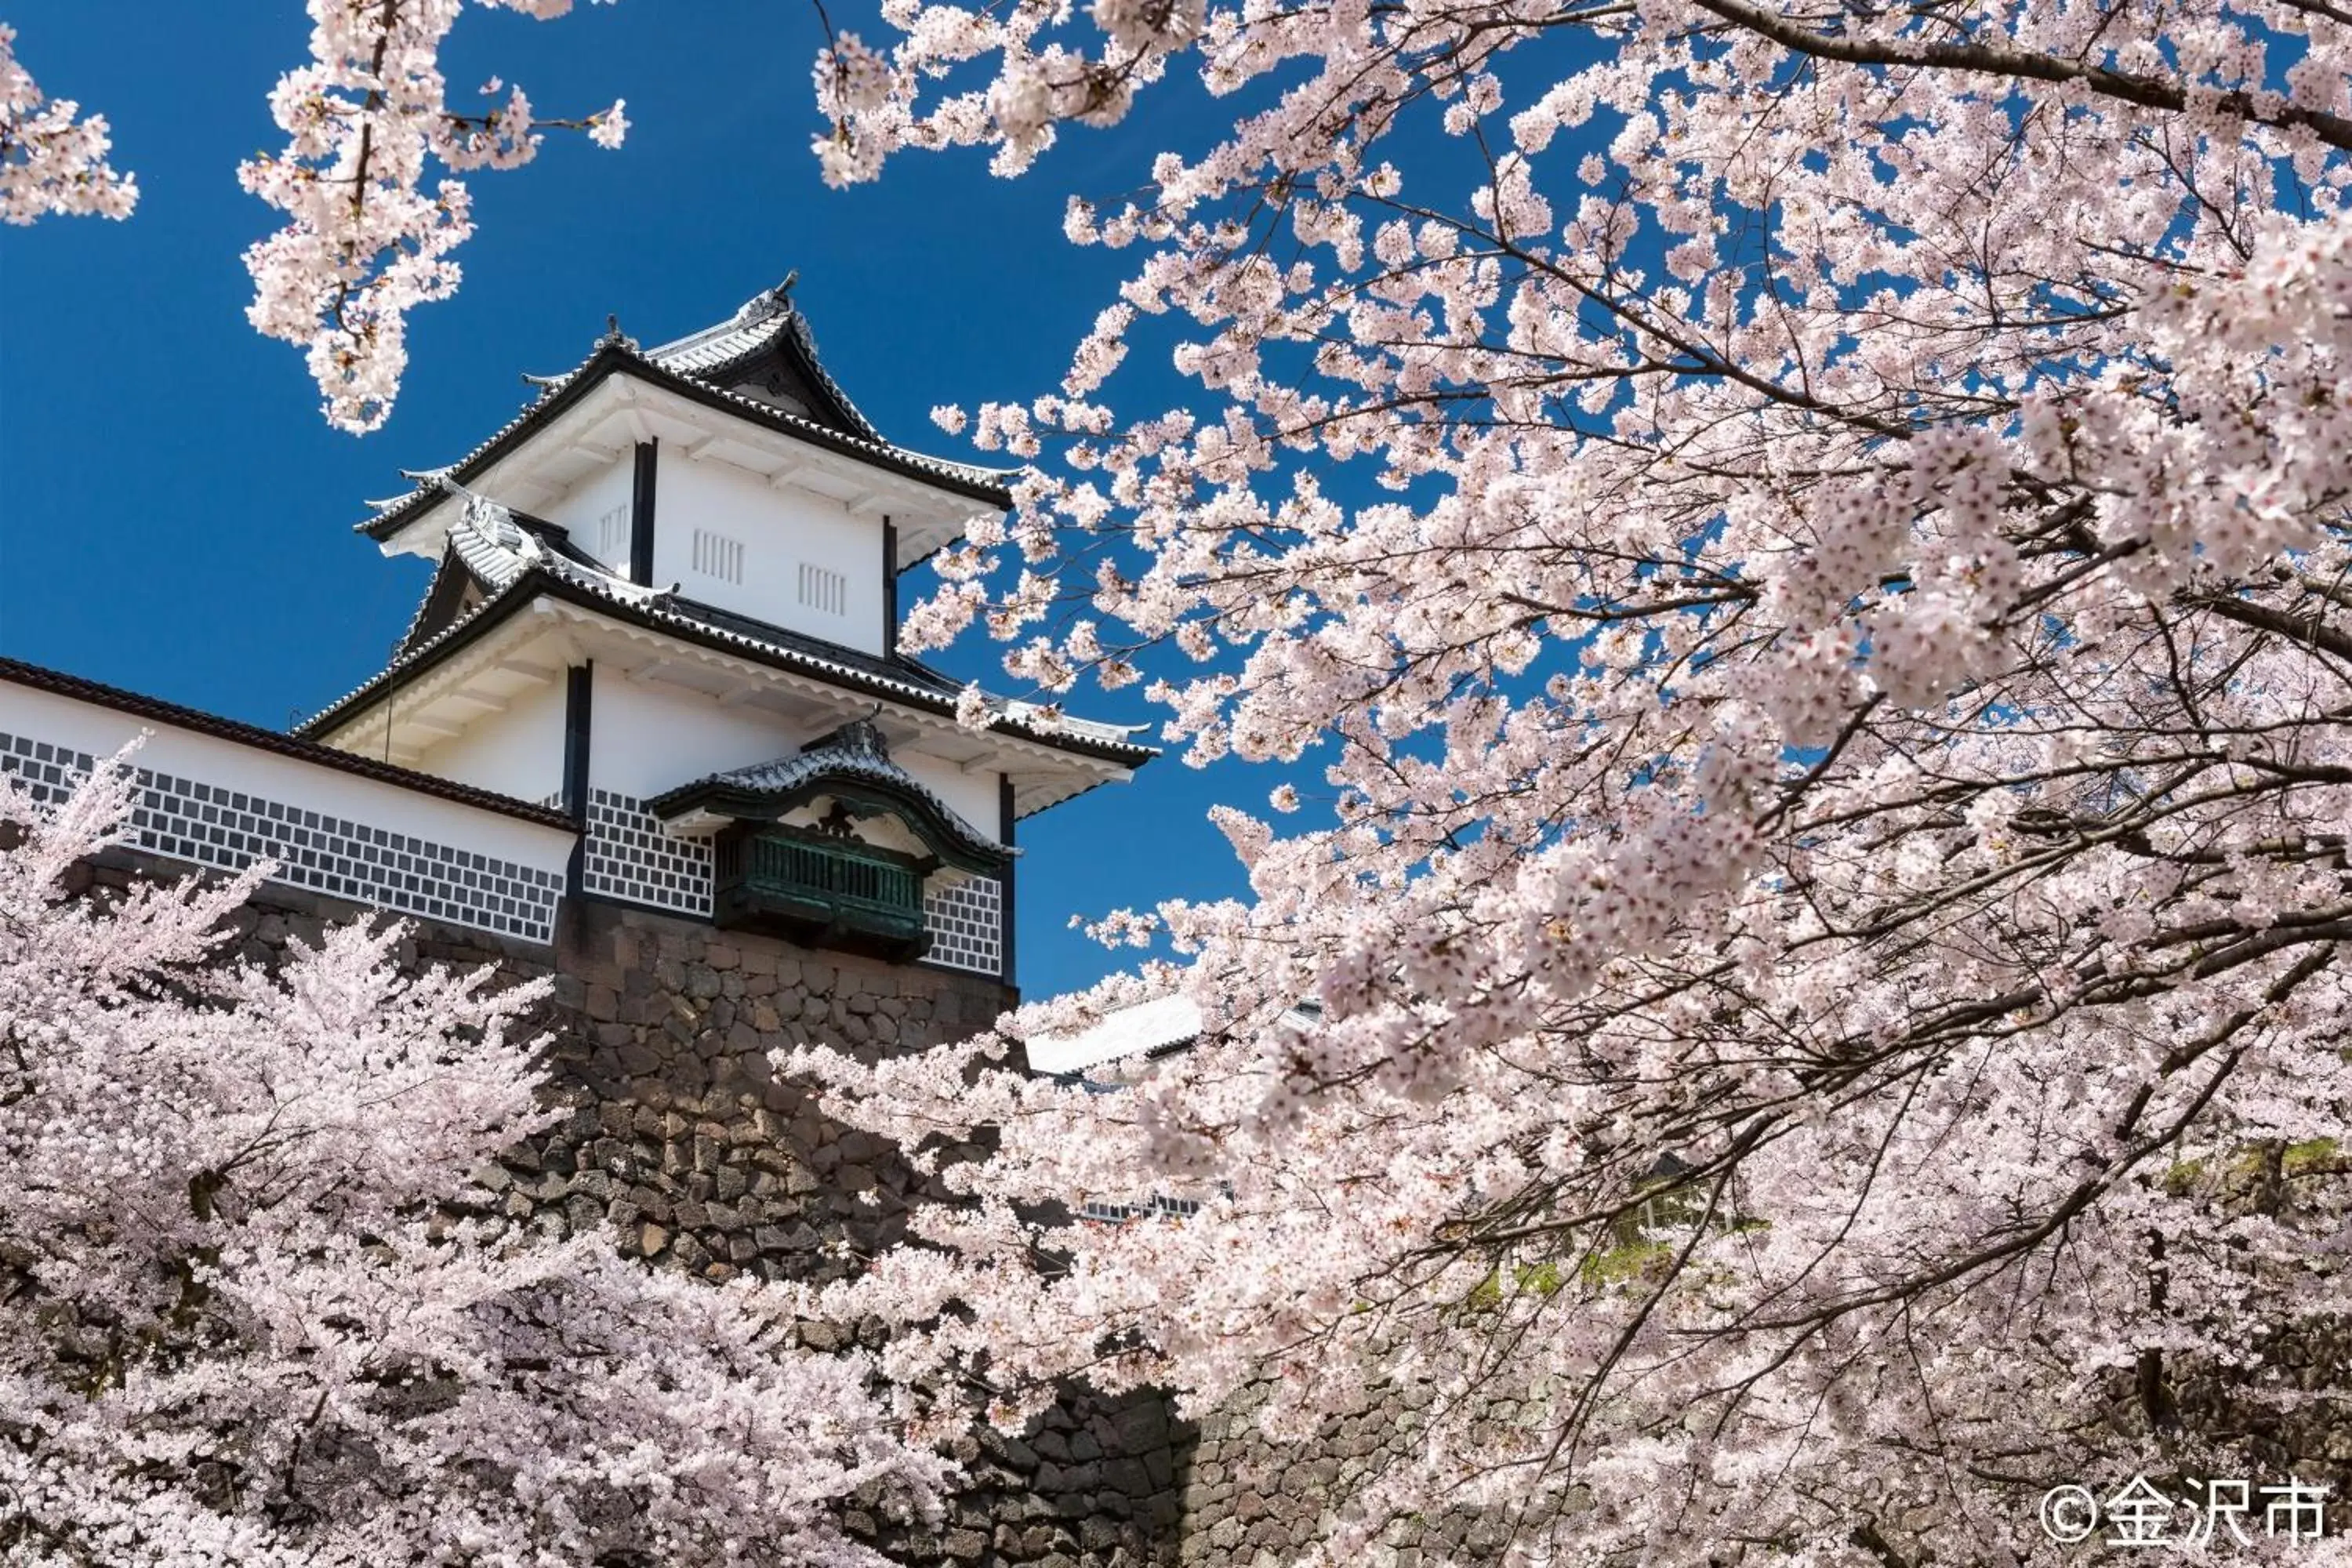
(497, 549)
(855, 751)
(763, 307)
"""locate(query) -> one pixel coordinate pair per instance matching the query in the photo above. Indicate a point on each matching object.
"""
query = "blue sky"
(175, 515)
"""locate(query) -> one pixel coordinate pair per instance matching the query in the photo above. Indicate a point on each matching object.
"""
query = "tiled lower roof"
(1138, 1029)
(916, 685)
(891, 667)
(503, 551)
(854, 752)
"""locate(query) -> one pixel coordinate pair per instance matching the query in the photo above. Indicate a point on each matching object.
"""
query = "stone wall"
(682, 1136)
(684, 1141)
(1251, 1502)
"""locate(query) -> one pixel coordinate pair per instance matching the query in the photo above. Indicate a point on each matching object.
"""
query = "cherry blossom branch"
(364, 242)
(1821, 638)
(1985, 59)
(252, 1300)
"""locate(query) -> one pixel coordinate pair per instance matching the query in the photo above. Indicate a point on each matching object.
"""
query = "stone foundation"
(683, 1139)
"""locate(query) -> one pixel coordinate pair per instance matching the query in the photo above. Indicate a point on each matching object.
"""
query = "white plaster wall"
(584, 507)
(779, 529)
(973, 794)
(518, 753)
(313, 787)
(644, 740)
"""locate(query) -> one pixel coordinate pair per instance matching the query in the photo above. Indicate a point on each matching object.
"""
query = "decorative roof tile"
(497, 549)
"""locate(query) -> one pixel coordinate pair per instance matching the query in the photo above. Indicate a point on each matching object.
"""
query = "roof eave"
(492, 612)
(721, 797)
(613, 357)
(139, 705)
(534, 581)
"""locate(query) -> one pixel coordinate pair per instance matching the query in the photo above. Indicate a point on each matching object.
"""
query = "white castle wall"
(647, 739)
(224, 803)
(780, 531)
(584, 512)
(973, 795)
(518, 752)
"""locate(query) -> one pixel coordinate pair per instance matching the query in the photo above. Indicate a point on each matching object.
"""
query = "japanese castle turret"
(656, 666)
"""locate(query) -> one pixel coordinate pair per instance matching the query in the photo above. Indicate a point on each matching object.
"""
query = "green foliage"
(1620, 1263)
(2313, 1156)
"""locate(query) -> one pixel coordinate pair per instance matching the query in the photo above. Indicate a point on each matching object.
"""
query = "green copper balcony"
(821, 890)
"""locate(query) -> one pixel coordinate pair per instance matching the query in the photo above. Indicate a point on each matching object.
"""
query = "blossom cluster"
(369, 232)
(52, 156)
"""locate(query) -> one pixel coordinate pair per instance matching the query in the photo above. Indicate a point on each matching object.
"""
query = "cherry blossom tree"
(252, 1311)
(1792, 556)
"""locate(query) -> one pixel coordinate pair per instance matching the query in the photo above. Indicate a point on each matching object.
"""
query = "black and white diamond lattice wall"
(187, 819)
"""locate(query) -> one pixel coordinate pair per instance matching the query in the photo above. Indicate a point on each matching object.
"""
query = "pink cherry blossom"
(368, 230)
(1805, 547)
(52, 157)
(255, 1309)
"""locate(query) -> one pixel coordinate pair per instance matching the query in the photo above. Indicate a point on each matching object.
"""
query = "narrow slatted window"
(823, 589)
(718, 556)
(613, 535)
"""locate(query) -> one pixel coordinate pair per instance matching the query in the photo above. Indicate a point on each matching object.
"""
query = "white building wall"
(518, 752)
(643, 739)
(788, 557)
(974, 795)
(646, 740)
(223, 803)
(595, 512)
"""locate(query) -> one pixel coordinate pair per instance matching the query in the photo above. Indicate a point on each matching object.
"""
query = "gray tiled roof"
(891, 667)
(496, 550)
(713, 350)
(694, 365)
(766, 321)
(855, 751)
